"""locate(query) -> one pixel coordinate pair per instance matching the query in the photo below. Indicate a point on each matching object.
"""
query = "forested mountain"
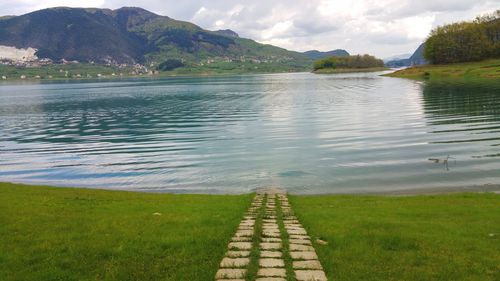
(132, 35)
(314, 54)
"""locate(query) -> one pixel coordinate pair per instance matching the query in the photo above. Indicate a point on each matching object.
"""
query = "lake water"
(303, 132)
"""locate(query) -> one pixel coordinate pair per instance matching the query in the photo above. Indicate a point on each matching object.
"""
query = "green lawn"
(442, 237)
(80, 234)
(488, 69)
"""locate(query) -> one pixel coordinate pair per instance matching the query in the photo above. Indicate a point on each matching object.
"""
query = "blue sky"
(380, 27)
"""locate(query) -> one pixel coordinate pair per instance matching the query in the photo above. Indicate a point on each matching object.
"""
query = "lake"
(343, 133)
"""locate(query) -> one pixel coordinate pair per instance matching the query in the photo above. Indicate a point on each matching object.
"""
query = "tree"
(464, 41)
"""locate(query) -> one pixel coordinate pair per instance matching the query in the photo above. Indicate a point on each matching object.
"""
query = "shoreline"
(467, 71)
(349, 70)
(487, 188)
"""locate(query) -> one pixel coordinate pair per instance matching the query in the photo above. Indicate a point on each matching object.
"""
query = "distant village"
(26, 58)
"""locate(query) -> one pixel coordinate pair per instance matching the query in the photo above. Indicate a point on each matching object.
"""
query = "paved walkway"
(270, 245)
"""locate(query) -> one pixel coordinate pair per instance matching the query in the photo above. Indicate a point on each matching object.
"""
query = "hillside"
(134, 35)
(314, 54)
(416, 58)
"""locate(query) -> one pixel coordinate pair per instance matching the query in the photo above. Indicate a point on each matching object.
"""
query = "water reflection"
(307, 133)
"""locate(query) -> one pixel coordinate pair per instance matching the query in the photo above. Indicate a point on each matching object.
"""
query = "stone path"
(285, 251)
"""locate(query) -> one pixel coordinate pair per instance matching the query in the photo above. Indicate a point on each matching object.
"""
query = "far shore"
(349, 70)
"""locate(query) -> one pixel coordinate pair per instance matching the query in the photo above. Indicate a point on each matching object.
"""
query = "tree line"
(465, 41)
(357, 61)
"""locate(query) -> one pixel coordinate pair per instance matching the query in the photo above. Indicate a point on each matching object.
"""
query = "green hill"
(133, 35)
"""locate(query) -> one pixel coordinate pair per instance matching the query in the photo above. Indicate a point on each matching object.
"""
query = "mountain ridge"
(132, 35)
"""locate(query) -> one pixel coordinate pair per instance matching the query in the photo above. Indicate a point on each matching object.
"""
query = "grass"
(488, 69)
(442, 237)
(80, 234)
(349, 70)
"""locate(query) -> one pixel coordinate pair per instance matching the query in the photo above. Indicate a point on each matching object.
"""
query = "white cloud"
(380, 27)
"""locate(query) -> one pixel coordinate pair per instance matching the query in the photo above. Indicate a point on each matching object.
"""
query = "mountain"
(227, 32)
(417, 58)
(131, 35)
(397, 57)
(315, 54)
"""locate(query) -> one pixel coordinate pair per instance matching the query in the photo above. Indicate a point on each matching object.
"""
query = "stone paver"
(240, 245)
(271, 254)
(298, 247)
(300, 241)
(237, 254)
(270, 246)
(234, 262)
(272, 272)
(230, 273)
(271, 262)
(310, 275)
(270, 279)
(310, 264)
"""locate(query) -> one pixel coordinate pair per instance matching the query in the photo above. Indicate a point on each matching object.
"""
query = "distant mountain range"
(315, 55)
(416, 58)
(132, 35)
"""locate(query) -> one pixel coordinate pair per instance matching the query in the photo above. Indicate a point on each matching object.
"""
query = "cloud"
(380, 27)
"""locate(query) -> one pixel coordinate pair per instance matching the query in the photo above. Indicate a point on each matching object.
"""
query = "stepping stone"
(270, 246)
(300, 241)
(272, 272)
(270, 233)
(269, 221)
(230, 280)
(237, 254)
(299, 237)
(310, 275)
(270, 279)
(296, 232)
(247, 227)
(234, 262)
(271, 239)
(244, 233)
(230, 273)
(311, 264)
(270, 254)
(269, 262)
(303, 248)
(304, 255)
(241, 239)
(240, 245)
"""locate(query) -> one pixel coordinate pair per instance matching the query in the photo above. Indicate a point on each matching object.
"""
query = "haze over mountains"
(417, 58)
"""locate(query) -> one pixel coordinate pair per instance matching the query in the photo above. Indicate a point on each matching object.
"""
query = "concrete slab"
(304, 255)
(230, 273)
(310, 275)
(271, 272)
(310, 264)
(234, 262)
(271, 262)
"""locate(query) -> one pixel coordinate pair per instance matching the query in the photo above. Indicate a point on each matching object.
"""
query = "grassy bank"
(488, 69)
(348, 70)
(78, 234)
(442, 237)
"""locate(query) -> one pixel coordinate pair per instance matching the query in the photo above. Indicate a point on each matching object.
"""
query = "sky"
(379, 27)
